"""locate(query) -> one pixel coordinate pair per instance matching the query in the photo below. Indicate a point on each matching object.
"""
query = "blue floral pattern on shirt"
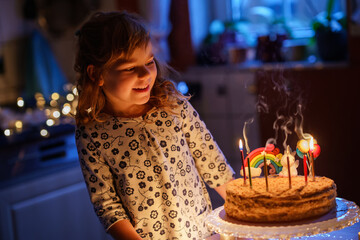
(151, 170)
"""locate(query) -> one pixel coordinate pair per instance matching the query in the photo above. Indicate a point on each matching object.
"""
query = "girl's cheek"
(155, 72)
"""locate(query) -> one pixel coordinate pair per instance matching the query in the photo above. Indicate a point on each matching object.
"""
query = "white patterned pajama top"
(151, 170)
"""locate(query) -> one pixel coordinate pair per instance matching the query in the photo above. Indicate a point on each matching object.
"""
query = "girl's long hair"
(101, 40)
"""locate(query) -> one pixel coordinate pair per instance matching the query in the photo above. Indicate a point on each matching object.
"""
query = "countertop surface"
(28, 156)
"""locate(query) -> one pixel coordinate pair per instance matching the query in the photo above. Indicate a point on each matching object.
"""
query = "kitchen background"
(254, 61)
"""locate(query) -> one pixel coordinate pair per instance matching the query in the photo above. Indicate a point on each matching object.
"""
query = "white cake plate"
(346, 214)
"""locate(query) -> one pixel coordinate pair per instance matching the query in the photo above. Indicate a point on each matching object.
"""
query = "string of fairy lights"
(59, 109)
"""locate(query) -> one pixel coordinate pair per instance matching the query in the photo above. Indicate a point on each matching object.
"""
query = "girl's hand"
(221, 190)
(123, 230)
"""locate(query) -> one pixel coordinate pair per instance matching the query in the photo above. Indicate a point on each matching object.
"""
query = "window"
(254, 18)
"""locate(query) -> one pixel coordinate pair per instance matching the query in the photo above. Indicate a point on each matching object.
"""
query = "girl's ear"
(91, 72)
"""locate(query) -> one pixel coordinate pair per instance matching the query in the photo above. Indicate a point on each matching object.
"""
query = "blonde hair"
(101, 40)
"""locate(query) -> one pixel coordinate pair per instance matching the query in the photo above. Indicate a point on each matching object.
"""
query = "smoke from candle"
(261, 104)
(285, 127)
(251, 120)
(270, 141)
(286, 102)
(299, 125)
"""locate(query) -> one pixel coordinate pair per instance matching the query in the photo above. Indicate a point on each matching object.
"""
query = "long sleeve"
(99, 180)
(210, 161)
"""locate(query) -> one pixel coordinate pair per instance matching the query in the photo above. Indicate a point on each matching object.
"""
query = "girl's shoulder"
(178, 108)
(90, 126)
(183, 104)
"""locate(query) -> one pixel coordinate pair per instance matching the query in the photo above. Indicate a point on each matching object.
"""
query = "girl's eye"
(150, 63)
(129, 69)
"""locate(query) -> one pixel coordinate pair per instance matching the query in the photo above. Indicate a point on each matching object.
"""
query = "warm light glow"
(66, 108)
(50, 122)
(75, 91)
(47, 112)
(240, 145)
(40, 101)
(70, 97)
(38, 95)
(7, 132)
(18, 124)
(56, 114)
(53, 103)
(312, 144)
(44, 133)
(55, 96)
(20, 102)
(303, 146)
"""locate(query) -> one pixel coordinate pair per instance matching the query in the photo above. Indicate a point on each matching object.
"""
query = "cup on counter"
(236, 54)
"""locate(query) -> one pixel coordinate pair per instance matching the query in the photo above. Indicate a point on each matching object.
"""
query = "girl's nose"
(144, 72)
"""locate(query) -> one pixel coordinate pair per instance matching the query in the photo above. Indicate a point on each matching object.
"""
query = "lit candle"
(312, 158)
(266, 172)
(242, 159)
(305, 168)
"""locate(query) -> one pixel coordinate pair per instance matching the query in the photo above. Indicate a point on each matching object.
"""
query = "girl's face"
(128, 84)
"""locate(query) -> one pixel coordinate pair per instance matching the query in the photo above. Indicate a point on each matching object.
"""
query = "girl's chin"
(144, 100)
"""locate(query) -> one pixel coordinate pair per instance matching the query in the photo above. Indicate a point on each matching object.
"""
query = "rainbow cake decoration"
(276, 161)
(256, 159)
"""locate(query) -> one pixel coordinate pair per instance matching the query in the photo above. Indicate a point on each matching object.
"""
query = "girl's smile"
(145, 89)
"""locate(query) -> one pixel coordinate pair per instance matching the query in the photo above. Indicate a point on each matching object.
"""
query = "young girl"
(145, 153)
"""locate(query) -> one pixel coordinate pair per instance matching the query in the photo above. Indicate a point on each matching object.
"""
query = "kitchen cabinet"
(225, 100)
(55, 206)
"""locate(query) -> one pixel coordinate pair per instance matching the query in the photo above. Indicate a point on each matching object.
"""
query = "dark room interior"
(257, 70)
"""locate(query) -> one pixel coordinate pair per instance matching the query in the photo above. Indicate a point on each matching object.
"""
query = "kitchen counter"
(28, 156)
(52, 206)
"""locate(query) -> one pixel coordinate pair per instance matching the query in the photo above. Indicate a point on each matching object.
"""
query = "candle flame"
(311, 144)
(240, 145)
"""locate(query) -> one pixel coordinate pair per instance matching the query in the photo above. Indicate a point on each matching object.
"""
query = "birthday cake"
(279, 194)
(280, 203)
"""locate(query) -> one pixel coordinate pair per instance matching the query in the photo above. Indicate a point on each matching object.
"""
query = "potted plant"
(330, 34)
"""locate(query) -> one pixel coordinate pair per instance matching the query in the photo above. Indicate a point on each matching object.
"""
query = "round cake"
(279, 203)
